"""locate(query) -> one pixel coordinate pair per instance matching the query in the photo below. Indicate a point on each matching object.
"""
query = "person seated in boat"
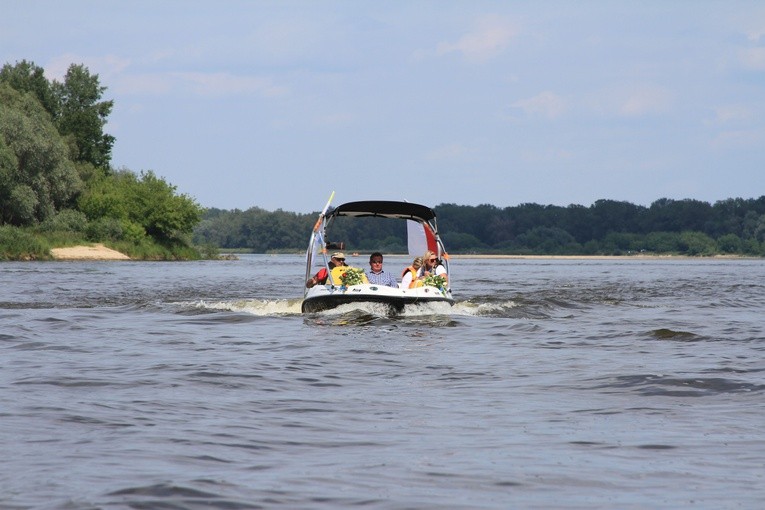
(431, 266)
(320, 278)
(376, 275)
(409, 275)
(346, 276)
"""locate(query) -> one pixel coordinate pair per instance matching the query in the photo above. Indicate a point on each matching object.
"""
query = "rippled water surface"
(550, 384)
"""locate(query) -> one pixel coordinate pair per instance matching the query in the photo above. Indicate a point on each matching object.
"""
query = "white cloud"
(490, 38)
(547, 105)
(645, 100)
(753, 24)
(287, 40)
(738, 139)
(753, 58)
(142, 84)
(755, 35)
(203, 84)
(629, 100)
(335, 120)
(227, 84)
(161, 55)
(546, 155)
(447, 152)
(732, 113)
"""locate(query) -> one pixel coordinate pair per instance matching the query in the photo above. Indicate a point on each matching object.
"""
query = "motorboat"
(422, 235)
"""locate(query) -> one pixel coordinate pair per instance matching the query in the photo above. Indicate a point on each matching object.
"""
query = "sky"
(275, 104)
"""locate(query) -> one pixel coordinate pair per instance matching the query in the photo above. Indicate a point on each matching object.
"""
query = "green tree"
(82, 115)
(730, 243)
(167, 216)
(142, 204)
(753, 247)
(758, 231)
(662, 242)
(619, 242)
(548, 240)
(578, 221)
(678, 215)
(697, 243)
(220, 228)
(728, 216)
(36, 176)
(464, 243)
(27, 77)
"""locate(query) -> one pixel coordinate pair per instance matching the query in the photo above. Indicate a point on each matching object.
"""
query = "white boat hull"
(326, 297)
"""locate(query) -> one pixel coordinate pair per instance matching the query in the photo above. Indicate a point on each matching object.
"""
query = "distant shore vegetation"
(58, 189)
(57, 186)
(734, 226)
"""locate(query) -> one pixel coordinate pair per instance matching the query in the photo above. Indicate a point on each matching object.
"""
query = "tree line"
(57, 186)
(260, 231)
(607, 227)
(610, 227)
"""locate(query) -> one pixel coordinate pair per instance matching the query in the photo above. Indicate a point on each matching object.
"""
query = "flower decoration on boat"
(352, 276)
(435, 281)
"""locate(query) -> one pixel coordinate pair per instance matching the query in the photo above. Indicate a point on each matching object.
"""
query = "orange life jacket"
(414, 283)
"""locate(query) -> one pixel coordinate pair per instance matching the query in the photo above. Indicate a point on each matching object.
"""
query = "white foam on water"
(425, 309)
(259, 307)
(282, 307)
(378, 309)
(480, 309)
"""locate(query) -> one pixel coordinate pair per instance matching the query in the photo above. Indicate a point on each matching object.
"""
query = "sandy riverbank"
(95, 252)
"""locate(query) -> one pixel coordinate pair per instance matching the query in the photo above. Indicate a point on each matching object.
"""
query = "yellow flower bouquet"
(352, 276)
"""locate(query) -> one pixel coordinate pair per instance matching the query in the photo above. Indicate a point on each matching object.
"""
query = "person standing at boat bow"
(376, 275)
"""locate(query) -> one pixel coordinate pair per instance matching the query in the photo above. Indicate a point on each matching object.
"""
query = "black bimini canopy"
(385, 209)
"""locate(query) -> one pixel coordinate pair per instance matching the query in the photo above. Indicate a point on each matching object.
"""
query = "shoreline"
(636, 257)
(100, 252)
(607, 257)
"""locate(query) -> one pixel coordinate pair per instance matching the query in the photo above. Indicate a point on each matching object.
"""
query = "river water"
(624, 383)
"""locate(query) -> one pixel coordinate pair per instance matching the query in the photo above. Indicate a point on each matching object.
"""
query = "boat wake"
(505, 308)
(257, 307)
(291, 307)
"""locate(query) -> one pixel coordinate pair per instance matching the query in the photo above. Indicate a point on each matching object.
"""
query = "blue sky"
(277, 103)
